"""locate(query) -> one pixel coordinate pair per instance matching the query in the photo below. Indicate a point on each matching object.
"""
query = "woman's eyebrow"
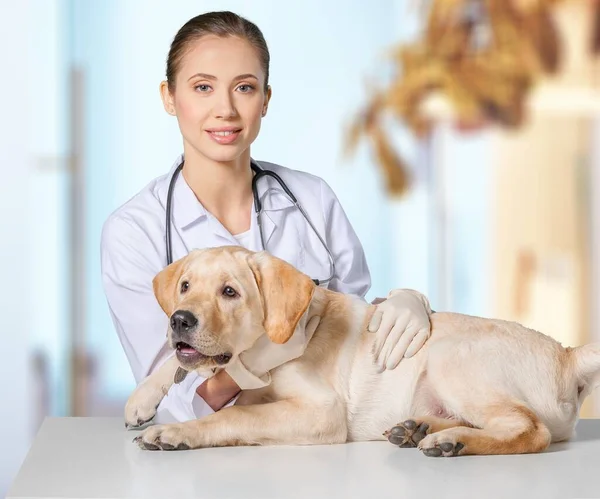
(245, 76)
(203, 75)
(211, 77)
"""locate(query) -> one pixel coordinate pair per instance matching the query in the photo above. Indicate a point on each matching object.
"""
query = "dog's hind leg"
(410, 432)
(508, 428)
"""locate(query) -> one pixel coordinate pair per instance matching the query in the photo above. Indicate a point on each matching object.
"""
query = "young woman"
(217, 85)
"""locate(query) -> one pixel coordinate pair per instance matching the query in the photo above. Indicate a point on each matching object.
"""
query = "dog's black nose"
(182, 321)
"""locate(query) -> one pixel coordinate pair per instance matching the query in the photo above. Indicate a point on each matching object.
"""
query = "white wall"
(16, 278)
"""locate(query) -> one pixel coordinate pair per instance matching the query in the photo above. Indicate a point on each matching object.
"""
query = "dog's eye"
(229, 292)
(185, 286)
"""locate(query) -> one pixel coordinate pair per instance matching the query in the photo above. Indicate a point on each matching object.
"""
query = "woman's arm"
(352, 274)
(218, 390)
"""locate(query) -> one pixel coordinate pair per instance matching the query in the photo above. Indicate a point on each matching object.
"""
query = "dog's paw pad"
(139, 420)
(181, 446)
(145, 445)
(138, 424)
(445, 449)
(162, 437)
(433, 452)
(407, 434)
(409, 424)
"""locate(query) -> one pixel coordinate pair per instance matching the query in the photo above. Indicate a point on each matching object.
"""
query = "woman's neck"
(224, 189)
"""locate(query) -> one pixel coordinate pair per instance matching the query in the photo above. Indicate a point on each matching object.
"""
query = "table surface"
(95, 457)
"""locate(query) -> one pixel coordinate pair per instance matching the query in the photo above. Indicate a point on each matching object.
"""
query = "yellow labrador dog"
(478, 386)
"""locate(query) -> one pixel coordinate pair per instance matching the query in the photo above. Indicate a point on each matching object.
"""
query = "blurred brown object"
(525, 272)
(596, 28)
(484, 56)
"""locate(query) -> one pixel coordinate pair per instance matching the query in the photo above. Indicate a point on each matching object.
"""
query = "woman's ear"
(167, 97)
(164, 285)
(268, 94)
(286, 294)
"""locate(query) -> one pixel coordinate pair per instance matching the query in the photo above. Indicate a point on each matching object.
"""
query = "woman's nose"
(224, 107)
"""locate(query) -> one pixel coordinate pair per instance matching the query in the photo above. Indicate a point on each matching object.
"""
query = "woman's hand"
(218, 390)
(401, 324)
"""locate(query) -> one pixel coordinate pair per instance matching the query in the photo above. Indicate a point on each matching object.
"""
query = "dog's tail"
(586, 363)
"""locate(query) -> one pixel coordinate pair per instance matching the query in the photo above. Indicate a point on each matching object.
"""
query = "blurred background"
(489, 204)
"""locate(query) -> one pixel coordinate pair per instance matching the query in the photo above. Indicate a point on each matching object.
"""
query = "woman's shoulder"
(148, 205)
(296, 178)
(140, 216)
(304, 184)
(284, 171)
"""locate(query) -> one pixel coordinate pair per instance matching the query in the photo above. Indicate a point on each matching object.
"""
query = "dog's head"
(221, 300)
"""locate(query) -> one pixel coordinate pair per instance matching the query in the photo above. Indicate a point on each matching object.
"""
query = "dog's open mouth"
(187, 354)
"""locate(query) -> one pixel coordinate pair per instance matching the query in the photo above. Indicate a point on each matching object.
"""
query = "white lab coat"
(133, 252)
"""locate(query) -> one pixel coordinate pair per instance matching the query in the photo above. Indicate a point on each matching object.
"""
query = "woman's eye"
(245, 88)
(229, 291)
(184, 286)
(202, 88)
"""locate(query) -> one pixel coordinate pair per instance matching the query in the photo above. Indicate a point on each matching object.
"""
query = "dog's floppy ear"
(164, 285)
(286, 294)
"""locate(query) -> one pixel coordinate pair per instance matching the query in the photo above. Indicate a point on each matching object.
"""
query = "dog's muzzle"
(183, 324)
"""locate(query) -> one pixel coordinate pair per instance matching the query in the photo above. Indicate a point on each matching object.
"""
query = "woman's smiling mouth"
(224, 135)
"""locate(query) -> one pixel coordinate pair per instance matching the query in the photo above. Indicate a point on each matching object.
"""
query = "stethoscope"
(258, 174)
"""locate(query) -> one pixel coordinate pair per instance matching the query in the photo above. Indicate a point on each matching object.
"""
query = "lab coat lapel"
(268, 227)
(274, 203)
(219, 233)
(207, 232)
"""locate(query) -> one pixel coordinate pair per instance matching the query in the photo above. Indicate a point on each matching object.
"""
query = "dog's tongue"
(187, 350)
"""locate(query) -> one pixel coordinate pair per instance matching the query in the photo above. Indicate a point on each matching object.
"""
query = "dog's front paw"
(141, 405)
(440, 445)
(164, 437)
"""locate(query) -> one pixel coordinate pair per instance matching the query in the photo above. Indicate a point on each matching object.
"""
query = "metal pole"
(78, 362)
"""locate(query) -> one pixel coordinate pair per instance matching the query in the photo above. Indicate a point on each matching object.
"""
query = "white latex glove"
(401, 324)
(251, 368)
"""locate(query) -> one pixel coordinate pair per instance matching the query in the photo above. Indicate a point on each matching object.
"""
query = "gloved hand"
(251, 368)
(401, 324)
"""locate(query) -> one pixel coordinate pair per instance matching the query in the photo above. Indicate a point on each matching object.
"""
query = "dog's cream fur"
(478, 386)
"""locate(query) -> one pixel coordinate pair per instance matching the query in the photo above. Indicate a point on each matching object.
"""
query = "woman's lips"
(224, 137)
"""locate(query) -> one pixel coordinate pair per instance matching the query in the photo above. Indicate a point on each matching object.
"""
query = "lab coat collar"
(274, 201)
(187, 209)
(271, 194)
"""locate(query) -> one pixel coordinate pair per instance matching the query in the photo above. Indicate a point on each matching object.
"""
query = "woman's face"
(219, 97)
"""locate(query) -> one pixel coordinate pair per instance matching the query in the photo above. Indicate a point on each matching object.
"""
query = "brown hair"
(221, 24)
